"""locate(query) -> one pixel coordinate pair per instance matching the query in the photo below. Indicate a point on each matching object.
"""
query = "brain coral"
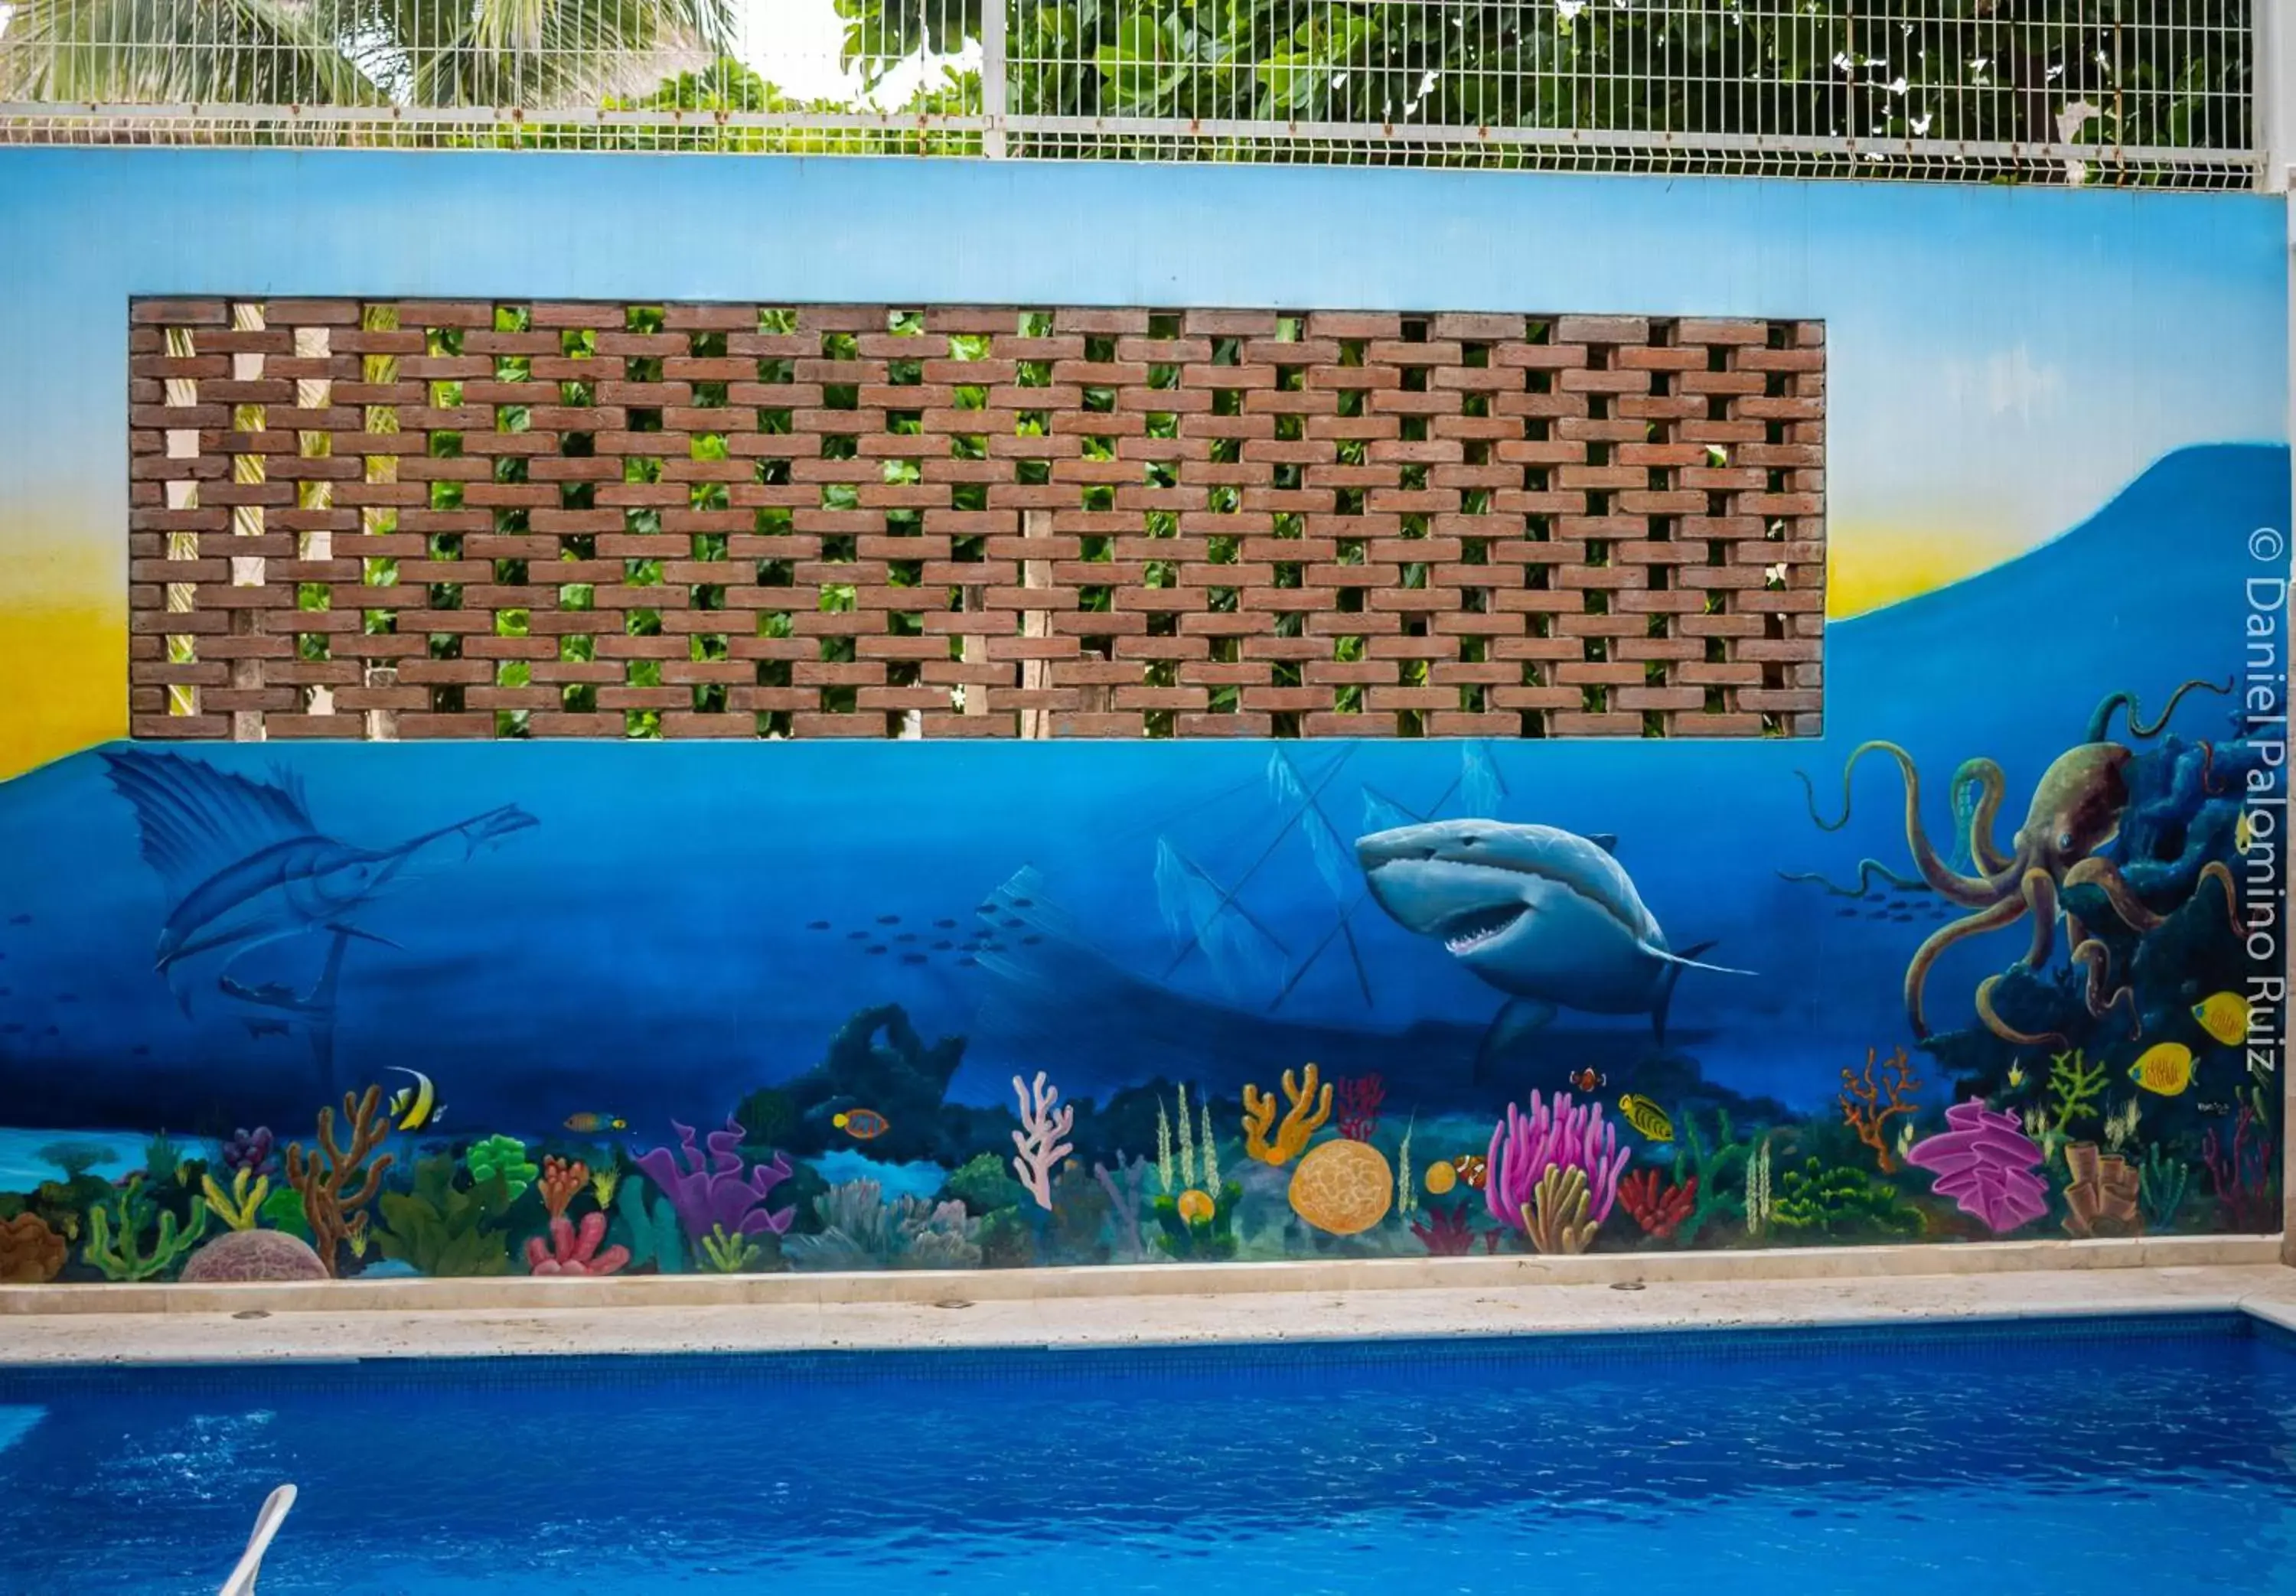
(1342, 1187)
(30, 1253)
(255, 1256)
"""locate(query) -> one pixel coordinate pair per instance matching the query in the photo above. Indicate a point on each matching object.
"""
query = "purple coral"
(1985, 1163)
(250, 1151)
(714, 1194)
(1525, 1146)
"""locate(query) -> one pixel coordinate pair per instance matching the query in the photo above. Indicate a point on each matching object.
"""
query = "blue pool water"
(2113, 1455)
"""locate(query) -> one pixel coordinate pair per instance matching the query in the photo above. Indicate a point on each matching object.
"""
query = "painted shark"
(1549, 917)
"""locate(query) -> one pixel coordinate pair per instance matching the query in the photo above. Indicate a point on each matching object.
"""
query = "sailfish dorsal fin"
(197, 821)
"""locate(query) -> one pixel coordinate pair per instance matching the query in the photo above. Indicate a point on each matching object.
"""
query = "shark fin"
(1687, 959)
(1608, 841)
(1676, 963)
(340, 929)
(1516, 1019)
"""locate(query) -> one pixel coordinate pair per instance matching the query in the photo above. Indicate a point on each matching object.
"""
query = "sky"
(796, 44)
(2000, 363)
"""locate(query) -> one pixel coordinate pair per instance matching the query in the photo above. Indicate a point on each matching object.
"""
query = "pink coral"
(575, 1251)
(1525, 1146)
(1985, 1163)
(1041, 1148)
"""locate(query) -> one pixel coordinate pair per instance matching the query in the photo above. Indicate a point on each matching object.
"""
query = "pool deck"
(951, 1311)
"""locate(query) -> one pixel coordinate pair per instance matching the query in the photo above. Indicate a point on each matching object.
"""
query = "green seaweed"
(1204, 1239)
(283, 1210)
(725, 1253)
(1840, 1200)
(75, 1159)
(1718, 1172)
(502, 1156)
(115, 1243)
(2075, 1087)
(649, 1230)
(162, 1157)
(2161, 1185)
(984, 1184)
(443, 1229)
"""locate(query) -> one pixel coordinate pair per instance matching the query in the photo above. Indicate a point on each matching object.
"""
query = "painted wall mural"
(1996, 956)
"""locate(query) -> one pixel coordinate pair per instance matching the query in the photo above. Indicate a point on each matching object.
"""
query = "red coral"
(1451, 1235)
(1359, 1098)
(2242, 1175)
(1660, 1212)
(573, 1251)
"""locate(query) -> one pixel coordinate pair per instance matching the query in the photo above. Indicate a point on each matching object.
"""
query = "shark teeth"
(1469, 932)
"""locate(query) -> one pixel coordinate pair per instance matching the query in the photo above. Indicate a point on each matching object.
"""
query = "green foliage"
(1205, 1238)
(501, 1156)
(115, 1239)
(2075, 1085)
(724, 1252)
(984, 1184)
(75, 1159)
(283, 1210)
(1720, 1171)
(1982, 71)
(2161, 1184)
(441, 1228)
(162, 1157)
(649, 1230)
(1840, 1200)
(1006, 1240)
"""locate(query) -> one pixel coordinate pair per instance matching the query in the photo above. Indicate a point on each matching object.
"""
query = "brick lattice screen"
(410, 519)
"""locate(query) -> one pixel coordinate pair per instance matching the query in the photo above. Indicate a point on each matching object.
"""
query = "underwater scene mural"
(1996, 957)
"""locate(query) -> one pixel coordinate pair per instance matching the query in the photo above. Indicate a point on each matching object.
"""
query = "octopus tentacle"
(2097, 959)
(2005, 911)
(2007, 1032)
(2040, 892)
(1972, 892)
(2101, 721)
(2218, 871)
(1987, 776)
(2105, 874)
(1867, 869)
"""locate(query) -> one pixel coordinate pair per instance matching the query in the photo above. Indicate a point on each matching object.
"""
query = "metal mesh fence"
(2081, 91)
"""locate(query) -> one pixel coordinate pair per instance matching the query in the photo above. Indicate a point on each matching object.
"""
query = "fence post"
(993, 15)
(2273, 131)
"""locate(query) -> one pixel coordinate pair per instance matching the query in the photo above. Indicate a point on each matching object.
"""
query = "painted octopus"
(2075, 811)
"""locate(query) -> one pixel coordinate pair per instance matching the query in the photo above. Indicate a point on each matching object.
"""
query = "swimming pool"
(2069, 1455)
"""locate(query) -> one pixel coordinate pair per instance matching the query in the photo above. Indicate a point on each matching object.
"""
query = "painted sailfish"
(1546, 916)
(245, 865)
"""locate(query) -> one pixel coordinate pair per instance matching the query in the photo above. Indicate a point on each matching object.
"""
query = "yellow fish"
(1646, 1116)
(2016, 1076)
(2223, 1016)
(2166, 1067)
(414, 1106)
(2243, 834)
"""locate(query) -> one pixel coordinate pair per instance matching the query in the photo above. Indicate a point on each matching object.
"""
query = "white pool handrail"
(273, 1514)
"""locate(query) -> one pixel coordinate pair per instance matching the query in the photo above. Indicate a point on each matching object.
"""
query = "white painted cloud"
(2007, 382)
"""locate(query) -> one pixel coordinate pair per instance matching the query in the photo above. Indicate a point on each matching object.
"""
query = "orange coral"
(1299, 1124)
(561, 1183)
(30, 1253)
(324, 1178)
(1867, 1104)
(2102, 1193)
